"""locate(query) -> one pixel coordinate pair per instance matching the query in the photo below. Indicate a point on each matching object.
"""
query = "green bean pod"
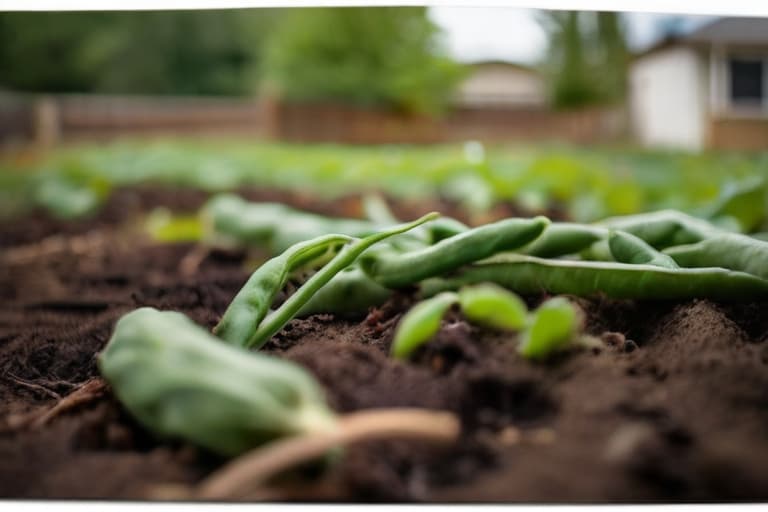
(530, 275)
(256, 333)
(350, 291)
(420, 324)
(251, 304)
(563, 238)
(663, 228)
(178, 380)
(395, 270)
(627, 248)
(272, 223)
(729, 250)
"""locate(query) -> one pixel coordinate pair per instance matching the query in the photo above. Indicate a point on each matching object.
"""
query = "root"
(32, 385)
(191, 262)
(244, 474)
(85, 393)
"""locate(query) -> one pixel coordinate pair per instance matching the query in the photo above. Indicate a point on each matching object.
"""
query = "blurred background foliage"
(584, 183)
(155, 52)
(363, 56)
(382, 57)
(587, 57)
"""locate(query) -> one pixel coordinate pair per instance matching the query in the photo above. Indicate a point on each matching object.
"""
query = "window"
(747, 81)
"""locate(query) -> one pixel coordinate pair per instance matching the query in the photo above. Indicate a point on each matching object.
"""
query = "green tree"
(374, 57)
(587, 57)
(157, 52)
(613, 57)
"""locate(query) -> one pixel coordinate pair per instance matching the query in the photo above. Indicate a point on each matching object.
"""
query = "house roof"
(732, 30)
(737, 31)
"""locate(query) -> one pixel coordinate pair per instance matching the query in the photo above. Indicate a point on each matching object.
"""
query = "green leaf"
(420, 324)
(491, 305)
(555, 324)
(163, 226)
(180, 381)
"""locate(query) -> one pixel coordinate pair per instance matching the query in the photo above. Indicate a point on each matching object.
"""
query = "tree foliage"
(587, 58)
(387, 57)
(157, 52)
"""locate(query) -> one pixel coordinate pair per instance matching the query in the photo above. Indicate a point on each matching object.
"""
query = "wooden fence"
(49, 119)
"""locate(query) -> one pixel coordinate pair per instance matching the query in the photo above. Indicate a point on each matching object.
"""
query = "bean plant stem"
(249, 471)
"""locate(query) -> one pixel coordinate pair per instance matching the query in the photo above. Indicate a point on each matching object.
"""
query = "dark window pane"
(746, 80)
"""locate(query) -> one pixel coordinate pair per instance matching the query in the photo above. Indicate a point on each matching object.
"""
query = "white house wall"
(667, 99)
(502, 85)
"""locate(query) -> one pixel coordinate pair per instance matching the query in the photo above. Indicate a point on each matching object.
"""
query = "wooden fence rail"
(52, 118)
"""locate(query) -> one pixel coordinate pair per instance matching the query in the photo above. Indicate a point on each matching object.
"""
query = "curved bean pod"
(274, 223)
(528, 274)
(395, 270)
(663, 228)
(277, 319)
(730, 250)
(350, 291)
(627, 248)
(251, 304)
(563, 238)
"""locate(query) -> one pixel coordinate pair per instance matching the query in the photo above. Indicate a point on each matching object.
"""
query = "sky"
(513, 34)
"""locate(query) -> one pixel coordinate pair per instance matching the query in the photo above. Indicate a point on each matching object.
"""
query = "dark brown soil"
(674, 409)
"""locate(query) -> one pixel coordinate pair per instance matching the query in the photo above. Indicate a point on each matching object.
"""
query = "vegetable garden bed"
(672, 408)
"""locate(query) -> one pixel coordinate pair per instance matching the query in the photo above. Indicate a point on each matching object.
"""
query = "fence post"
(46, 128)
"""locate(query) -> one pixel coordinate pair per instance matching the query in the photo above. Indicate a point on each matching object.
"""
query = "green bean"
(563, 238)
(394, 270)
(251, 304)
(528, 275)
(179, 380)
(257, 332)
(729, 250)
(278, 225)
(350, 291)
(553, 327)
(659, 229)
(490, 305)
(663, 228)
(420, 324)
(627, 248)
(445, 227)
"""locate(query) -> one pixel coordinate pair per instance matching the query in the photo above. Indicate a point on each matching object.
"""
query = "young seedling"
(492, 306)
(421, 323)
(556, 324)
(484, 304)
(553, 326)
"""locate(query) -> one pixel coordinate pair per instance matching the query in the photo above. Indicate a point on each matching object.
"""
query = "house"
(705, 89)
(500, 84)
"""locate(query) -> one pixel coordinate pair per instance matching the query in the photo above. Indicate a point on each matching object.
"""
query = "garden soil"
(674, 408)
